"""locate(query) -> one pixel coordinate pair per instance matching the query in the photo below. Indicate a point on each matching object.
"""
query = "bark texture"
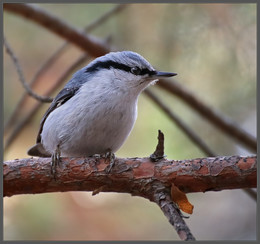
(137, 176)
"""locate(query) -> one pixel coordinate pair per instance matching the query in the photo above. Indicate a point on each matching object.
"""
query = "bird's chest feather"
(107, 114)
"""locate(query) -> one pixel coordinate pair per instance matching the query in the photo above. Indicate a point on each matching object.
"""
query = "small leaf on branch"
(181, 199)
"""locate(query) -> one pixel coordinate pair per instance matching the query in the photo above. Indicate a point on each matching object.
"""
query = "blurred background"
(212, 47)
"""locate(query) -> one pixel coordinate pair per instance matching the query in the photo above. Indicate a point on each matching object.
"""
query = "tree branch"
(92, 45)
(134, 176)
(150, 178)
(174, 216)
(137, 176)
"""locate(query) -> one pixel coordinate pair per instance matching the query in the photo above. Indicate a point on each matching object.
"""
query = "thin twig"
(13, 117)
(21, 76)
(93, 25)
(18, 128)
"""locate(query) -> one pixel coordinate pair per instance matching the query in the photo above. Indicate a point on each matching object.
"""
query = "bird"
(96, 110)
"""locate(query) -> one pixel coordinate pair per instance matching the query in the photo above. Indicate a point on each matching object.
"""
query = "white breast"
(91, 122)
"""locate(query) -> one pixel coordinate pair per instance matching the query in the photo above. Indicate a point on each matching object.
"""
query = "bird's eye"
(135, 71)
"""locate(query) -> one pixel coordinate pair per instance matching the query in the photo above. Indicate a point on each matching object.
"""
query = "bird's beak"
(160, 74)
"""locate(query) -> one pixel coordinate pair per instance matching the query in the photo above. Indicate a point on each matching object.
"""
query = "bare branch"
(92, 45)
(225, 124)
(35, 79)
(134, 176)
(21, 76)
(137, 176)
(172, 212)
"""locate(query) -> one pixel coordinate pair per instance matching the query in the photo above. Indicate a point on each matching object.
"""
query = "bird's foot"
(55, 161)
(111, 157)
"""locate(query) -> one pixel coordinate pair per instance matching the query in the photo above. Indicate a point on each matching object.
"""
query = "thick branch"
(137, 176)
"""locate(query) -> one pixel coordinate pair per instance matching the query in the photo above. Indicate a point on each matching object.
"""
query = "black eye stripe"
(111, 64)
(147, 71)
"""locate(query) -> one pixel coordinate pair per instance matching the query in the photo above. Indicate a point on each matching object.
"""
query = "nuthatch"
(96, 110)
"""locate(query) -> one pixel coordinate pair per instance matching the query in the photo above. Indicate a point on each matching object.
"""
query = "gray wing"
(63, 96)
(70, 89)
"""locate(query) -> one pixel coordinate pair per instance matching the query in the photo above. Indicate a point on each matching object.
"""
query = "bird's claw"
(108, 156)
(55, 161)
(111, 157)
